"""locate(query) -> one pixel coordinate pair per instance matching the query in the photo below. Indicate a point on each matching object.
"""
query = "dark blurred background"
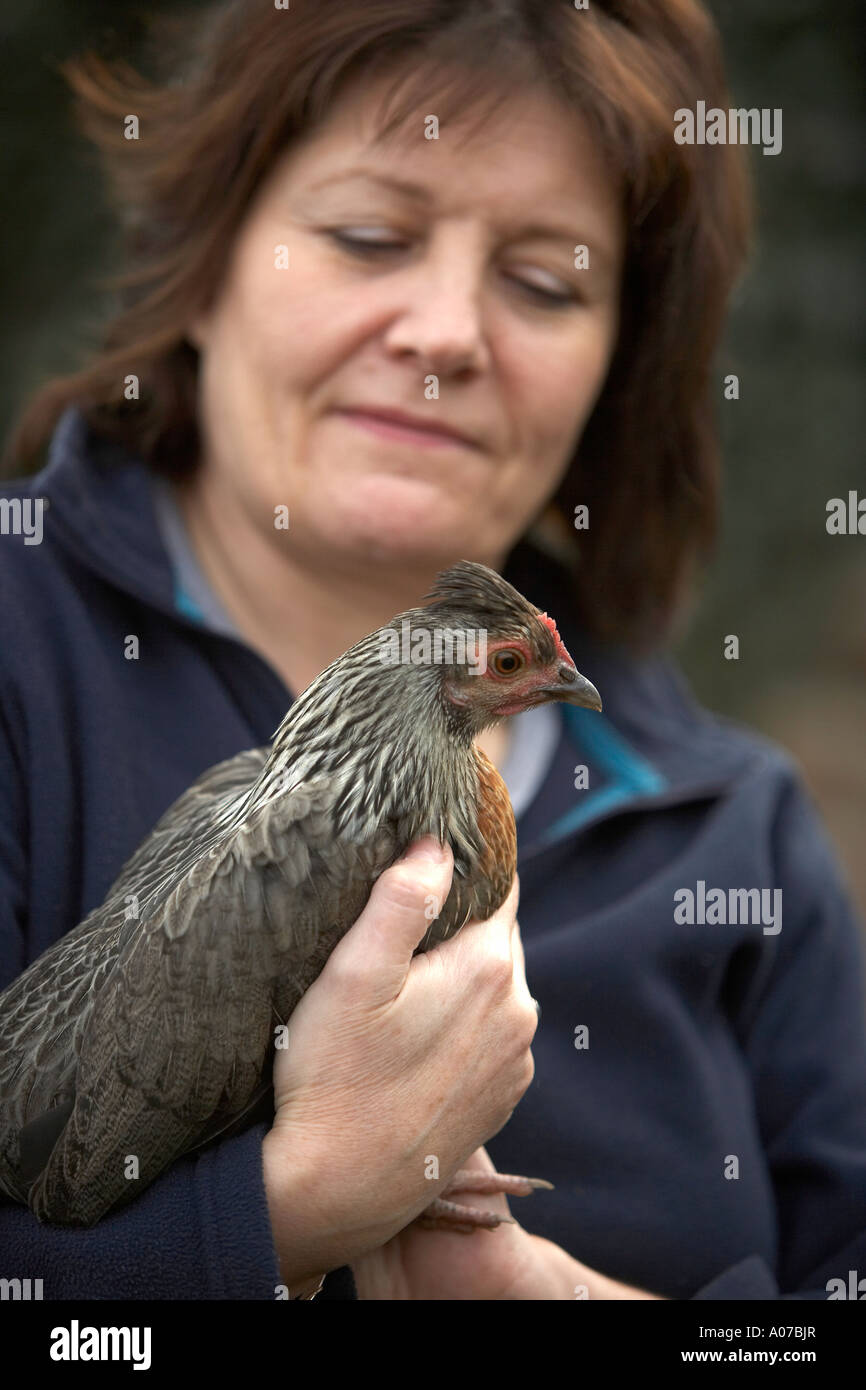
(794, 595)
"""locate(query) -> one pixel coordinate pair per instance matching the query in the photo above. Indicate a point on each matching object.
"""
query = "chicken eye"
(507, 663)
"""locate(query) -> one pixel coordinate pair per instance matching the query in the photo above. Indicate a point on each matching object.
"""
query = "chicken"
(149, 1029)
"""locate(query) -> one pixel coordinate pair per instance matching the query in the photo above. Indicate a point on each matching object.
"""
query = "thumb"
(376, 952)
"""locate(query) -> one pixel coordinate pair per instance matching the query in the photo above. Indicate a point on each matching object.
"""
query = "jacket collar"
(100, 510)
(655, 743)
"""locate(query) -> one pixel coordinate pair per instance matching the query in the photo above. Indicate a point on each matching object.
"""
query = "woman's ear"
(197, 331)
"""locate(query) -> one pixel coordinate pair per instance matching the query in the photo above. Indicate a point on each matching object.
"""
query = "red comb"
(551, 625)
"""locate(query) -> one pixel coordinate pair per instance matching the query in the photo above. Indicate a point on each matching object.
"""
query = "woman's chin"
(414, 535)
(403, 542)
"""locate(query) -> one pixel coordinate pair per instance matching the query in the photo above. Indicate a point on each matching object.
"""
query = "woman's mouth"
(401, 431)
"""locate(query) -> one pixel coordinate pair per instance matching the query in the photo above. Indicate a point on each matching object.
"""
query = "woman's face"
(456, 300)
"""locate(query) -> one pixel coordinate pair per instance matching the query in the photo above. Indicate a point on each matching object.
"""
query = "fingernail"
(428, 847)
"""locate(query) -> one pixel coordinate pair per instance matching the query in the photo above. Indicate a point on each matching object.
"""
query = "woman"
(544, 286)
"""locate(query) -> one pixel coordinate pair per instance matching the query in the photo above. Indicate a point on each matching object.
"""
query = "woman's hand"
(507, 1263)
(434, 1264)
(393, 1060)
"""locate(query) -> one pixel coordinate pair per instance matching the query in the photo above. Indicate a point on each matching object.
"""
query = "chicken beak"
(573, 689)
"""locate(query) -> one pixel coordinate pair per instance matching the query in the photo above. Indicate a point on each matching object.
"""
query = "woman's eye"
(548, 296)
(364, 245)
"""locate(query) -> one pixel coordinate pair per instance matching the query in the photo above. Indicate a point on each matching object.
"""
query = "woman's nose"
(442, 318)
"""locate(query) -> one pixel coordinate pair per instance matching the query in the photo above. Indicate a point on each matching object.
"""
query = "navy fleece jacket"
(699, 1099)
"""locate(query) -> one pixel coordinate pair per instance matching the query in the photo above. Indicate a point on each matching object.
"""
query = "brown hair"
(251, 78)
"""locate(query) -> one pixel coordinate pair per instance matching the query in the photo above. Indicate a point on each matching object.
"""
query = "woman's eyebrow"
(420, 194)
(404, 186)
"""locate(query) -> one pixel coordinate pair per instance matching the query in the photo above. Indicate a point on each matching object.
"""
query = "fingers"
(374, 957)
(501, 929)
(504, 921)
(376, 953)
(521, 985)
(518, 953)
